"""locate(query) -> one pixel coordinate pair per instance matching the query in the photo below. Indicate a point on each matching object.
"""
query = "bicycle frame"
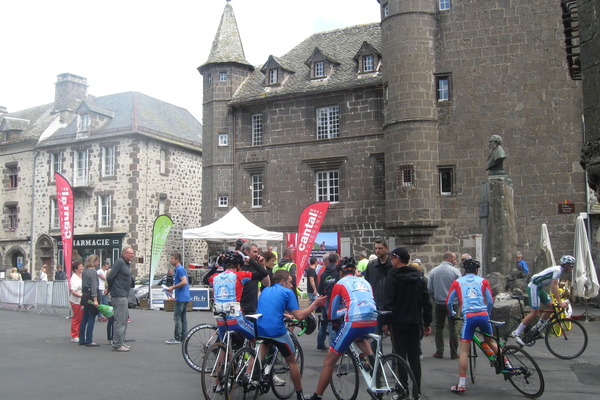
(497, 360)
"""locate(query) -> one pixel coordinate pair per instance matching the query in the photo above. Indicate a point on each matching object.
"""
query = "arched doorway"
(44, 252)
(15, 258)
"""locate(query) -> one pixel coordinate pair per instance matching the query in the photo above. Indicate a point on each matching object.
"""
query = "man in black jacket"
(377, 270)
(406, 295)
(119, 283)
(328, 279)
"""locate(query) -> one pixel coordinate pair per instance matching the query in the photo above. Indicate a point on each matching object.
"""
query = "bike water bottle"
(487, 349)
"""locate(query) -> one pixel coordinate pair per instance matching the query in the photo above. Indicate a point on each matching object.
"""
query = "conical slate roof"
(227, 45)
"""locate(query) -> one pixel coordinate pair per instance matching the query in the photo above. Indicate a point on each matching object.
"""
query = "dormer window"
(273, 76)
(369, 63)
(368, 59)
(319, 69)
(83, 123)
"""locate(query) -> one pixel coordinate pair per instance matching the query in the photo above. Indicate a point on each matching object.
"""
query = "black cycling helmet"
(311, 324)
(346, 264)
(471, 265)
(230, 258)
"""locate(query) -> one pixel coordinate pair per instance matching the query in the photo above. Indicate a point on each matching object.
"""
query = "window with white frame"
(444, 4)
(386, 10)
(54, 217)
(319, 69)
(368, 63)
(257, 130)
(83, 122)
(257, 190)
(108, 160)
(104, 210)
(223, 76)
(328, 122)
(55, 164)
(81, 177)
(446, 175)
(328, 186)
(442, 87)
(223, 139)
(223, 201)
(273, 76)
(13, 176)
(11, 216)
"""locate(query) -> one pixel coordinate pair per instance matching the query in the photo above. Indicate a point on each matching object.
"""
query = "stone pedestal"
(497, 216)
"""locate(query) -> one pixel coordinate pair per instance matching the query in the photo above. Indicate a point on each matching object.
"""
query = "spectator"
(182, 298)
(119, 283)
(522, 264)
(14, 275)
(60, 275)
(25, 275)
(440, 279)
(287, 264)
(103, 298)
(362, 263)
(311, 279)
(328, 279)
(89, 288)
(75, 300)
(44, 274)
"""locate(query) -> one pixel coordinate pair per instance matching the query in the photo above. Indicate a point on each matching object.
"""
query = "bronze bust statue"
(496, 157)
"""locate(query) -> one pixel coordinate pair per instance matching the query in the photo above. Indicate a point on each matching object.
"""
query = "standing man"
(440, 279)
(249, 299)
(362, 264)
(60, 275)
(287, 264)
(475, 296)
(377, 270)
(311, 279)
(182, 298)
(119, 283)
(101, 287)
(328, 278)
(407, 297)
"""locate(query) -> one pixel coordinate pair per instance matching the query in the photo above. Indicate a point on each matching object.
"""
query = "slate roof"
(38, 118)
(135, 112)
(340, 45)
(227, 45)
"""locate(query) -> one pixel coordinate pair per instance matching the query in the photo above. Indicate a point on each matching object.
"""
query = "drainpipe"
(31, 241)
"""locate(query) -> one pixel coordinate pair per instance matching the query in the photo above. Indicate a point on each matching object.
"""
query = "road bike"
(248, 375)
(565, 338)
(386, 376)
(512, 362)
(196, 343)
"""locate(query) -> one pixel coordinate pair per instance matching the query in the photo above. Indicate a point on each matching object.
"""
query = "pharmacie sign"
(96, 241)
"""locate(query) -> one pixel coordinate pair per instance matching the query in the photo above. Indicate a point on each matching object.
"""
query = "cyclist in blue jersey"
(475, 297)
(352, 299)
(537, 294)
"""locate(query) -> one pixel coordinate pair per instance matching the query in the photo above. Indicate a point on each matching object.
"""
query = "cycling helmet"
(346, 264)
(567, 260)
(230, 258)
(311, 323)
(471, 265)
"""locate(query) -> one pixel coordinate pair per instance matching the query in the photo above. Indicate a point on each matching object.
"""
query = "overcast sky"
(147, 46)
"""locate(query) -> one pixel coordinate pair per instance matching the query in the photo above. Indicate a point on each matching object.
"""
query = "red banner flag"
(309, 226)
(64, 199)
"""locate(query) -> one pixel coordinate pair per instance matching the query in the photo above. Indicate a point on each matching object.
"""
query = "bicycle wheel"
(242, 384)
(195, 344)
(396, 377)
(213, 371)
(281, 380)
(472, 361)
(523, 372)
(511, 323)
(344, 380)
(571, 342)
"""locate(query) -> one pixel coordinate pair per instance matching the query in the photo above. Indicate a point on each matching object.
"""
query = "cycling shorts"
(284, 343)
(349, 332)
(236, 324)
(537, 295)
(477, 320)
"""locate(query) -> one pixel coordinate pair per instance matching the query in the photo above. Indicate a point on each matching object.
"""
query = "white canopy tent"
(230, 227)
(585, 278)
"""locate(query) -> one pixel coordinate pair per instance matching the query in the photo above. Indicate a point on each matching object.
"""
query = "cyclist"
(537, 294)
(272, 304)
(352, 299)
(475, 297)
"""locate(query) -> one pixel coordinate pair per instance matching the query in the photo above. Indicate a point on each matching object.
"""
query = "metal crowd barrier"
(25, 295)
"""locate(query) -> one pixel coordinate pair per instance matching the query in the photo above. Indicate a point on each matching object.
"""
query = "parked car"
(140, 290)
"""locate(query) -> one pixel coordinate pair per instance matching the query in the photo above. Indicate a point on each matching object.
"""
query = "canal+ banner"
(66, 216)
(309, 226)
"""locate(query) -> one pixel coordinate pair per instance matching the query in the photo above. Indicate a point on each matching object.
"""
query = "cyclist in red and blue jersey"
(228, 287)
(537, 294)
(351, 299)
(476, 301)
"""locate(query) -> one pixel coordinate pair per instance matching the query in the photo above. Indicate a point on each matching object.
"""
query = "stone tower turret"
(69, 92)
(223, 72)
(410, 128)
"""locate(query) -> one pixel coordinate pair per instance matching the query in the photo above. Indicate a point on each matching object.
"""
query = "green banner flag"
(162, 227)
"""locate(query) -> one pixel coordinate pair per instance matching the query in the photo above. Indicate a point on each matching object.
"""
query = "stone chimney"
(70, 91)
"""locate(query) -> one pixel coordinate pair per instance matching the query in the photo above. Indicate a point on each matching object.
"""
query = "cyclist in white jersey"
(537, 294)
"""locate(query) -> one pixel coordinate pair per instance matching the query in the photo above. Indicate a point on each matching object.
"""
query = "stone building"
(390, 122)
(129, 159)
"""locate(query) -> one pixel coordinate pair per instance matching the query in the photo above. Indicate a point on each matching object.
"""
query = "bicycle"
(196, 343)
(248, 375)
(389, 376)
(565, 338)
(514, 363)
